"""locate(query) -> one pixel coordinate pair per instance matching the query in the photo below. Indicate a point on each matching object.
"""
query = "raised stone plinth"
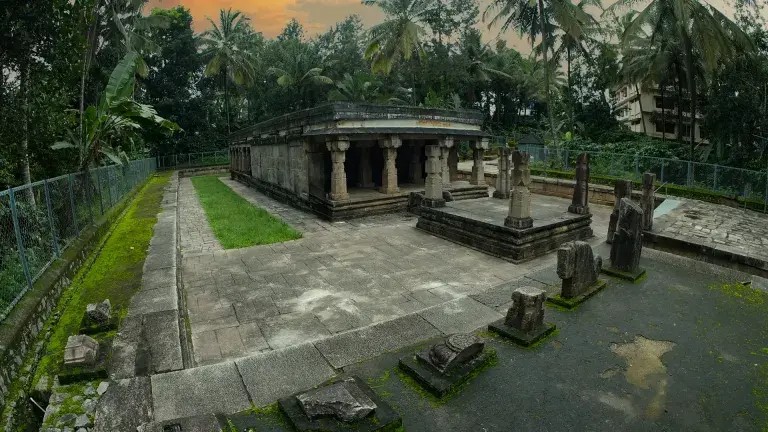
(348, 404)
(446, 365)
(478, 224)
(524, 323)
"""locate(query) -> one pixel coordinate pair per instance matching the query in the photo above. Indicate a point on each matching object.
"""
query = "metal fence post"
(663, 162)
(88, 195)
(54, 240)
(714, 180)
(689, 180)
(189, 159)
(98, 187)
(19, 239)
(109, 188)
(72, 203)
(637, 164)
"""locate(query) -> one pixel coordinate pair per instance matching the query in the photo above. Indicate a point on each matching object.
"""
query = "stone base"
(520, 337)
(98, 370)
(518, 223)
(578, 209)
(434, 381)
(501, 195)
(433, 203)
(89, 328)
(384, 418)
(570, 303)
(511, 244)
(629, 276)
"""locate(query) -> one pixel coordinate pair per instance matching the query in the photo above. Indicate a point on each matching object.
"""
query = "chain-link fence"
(39, 220)
(190, 160)
(743, 184)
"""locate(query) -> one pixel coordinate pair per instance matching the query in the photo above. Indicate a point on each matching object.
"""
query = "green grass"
(114, 272)
(236, 222)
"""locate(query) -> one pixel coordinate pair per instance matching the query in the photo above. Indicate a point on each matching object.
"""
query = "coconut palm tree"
(541, 19)
(300, 71)
(705, 35)
(226, 46)
(400, 35)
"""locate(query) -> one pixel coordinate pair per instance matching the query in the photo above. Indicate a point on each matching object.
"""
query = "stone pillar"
(433, 193)
(502, 179)
(478, 168)
(389, 172)
(520, 202)
(578, 268)
(648, 202)
(628, 239)
(338, 147)
(453, 163)
(415, 170)
(364, 172)
(622, 189)
(580, 203)
(445, 150)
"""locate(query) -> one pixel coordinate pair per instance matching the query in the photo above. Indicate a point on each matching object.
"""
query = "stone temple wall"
(282, 164)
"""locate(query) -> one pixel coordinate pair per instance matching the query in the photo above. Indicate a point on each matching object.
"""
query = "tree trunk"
(91, 43)
(26, 175)
(663, 115)
(226, 100)
(640, 102)
(691, 90)
(679, 104)
(546, 73)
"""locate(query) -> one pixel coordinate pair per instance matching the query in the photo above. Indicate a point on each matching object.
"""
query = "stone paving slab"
(162, 330)
(206, 389)
(464, 315)
(125, 405)
(196, 234)
(281, 373)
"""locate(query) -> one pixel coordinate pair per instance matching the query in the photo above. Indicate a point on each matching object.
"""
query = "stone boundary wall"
(209, 170)
(19, 332)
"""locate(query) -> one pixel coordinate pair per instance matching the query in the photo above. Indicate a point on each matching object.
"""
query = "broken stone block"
(339, 406)
(577, 267)
(80, 350)
(99, 313)
(342, 400)
(627, 242)
(524, 323)
(447, 364)
(622, 189)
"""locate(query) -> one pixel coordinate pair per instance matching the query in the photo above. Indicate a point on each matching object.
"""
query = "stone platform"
(479, 224)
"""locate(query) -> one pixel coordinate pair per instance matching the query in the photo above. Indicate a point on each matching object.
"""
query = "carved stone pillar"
(415, 170)
(364, 171)
(433, 192)
(389, 172)
(520, 202)
(445, 150)
(338, 147)
(502, 179)
(580, 203)
(478, 168)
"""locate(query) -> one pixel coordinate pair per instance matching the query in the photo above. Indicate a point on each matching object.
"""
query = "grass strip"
(236, 222)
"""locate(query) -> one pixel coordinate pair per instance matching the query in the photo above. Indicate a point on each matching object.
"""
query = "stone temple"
(345, 160)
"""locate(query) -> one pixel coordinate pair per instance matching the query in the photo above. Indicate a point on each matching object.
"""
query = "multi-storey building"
(627, 104)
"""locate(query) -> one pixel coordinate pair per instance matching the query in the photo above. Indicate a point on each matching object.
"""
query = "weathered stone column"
(389, 172)
(338, 147)
(364, 172)
(478, 167)
(628, 239)
(580, 203)
(520, 202)
(502, 178)
(445, 150)
(622, 189)
(415, 171)
(433, 193)
(648, 203)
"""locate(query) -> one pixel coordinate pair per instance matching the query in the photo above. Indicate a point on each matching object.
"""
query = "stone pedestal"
(478, 167)
(622, 189)
(648, 202)
(579, 270)
(415, 168)
(524, 323)
(580, 203)
(502, 179)
(389, 148)
(364, 171)
(338, 148)
(627, 243)
(81, 350)
(433, 192)
(519, 216)
(445, 150)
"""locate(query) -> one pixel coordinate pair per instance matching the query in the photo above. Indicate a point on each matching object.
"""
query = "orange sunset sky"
(270, 16)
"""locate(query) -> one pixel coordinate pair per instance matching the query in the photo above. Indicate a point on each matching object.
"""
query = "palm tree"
(400, 35)
(226, 45)
(705, 35)
(543, 19)
(301, 70)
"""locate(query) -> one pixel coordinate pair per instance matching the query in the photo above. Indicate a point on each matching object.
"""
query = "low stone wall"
(19, 332)
(209, 170)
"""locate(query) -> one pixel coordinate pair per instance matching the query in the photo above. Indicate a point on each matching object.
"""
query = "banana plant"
(117, 118)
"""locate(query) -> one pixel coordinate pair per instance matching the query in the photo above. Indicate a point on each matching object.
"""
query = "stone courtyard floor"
(340, 276)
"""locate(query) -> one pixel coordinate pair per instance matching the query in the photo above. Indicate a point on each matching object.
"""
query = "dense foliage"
(58, 57)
